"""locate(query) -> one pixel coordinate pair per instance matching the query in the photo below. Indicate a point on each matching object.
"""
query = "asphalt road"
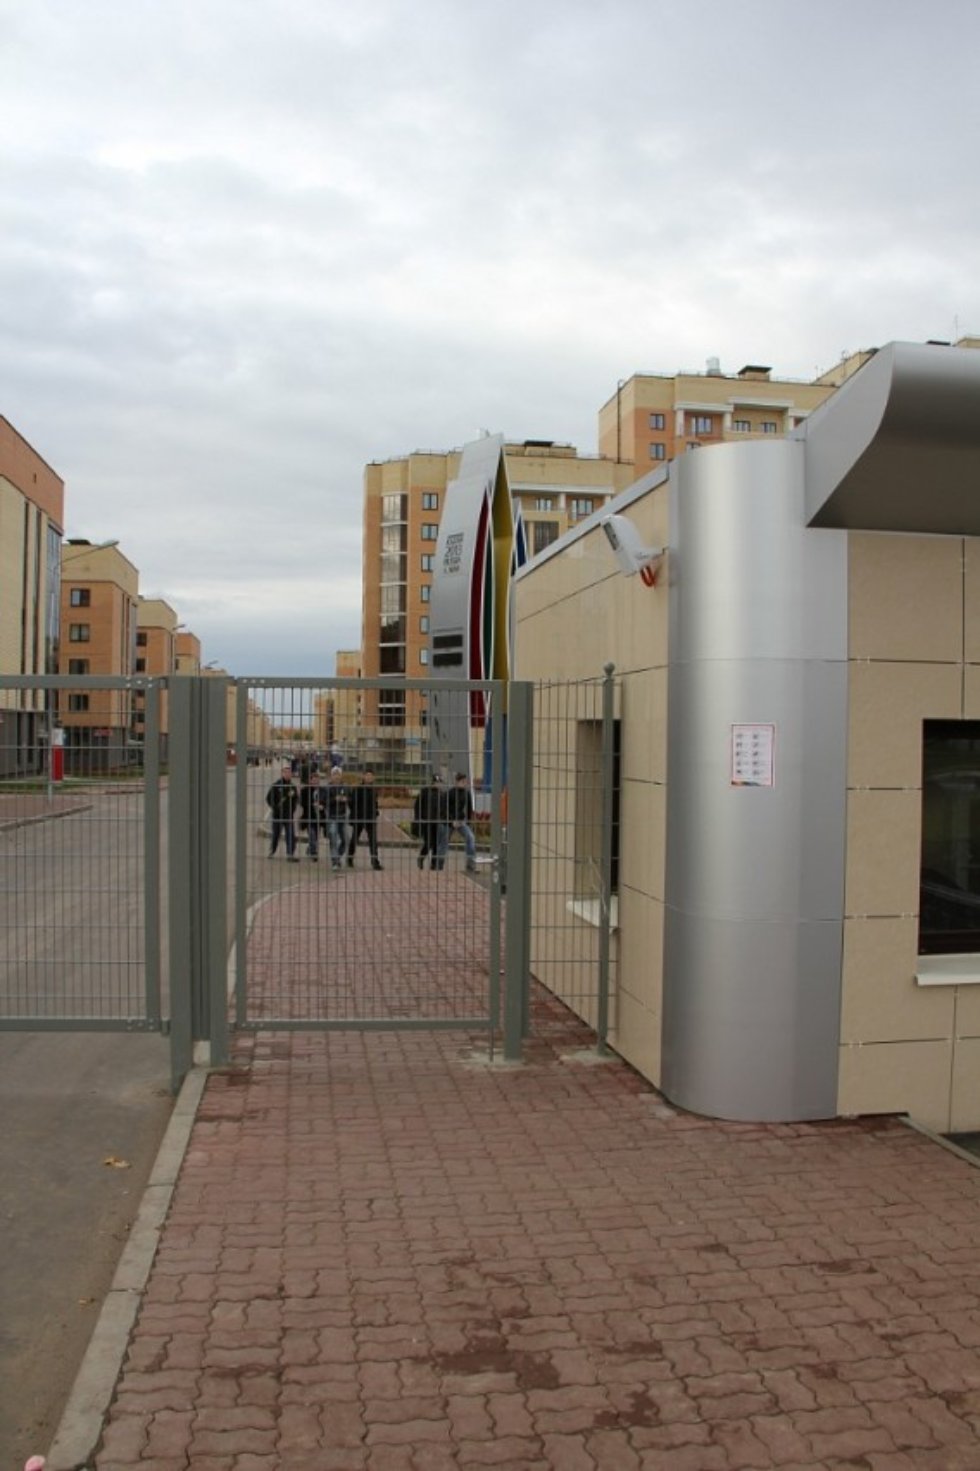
(68, 1103)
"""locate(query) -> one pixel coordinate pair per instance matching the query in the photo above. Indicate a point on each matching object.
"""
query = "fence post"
(197, 869)
(608, 775)
(517, 958)
(179, 877)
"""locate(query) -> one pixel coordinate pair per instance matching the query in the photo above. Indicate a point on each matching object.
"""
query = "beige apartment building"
(156, 654)
(99, 602)
(553, 485)
(187, 652)
(653, 417)
(32, 499)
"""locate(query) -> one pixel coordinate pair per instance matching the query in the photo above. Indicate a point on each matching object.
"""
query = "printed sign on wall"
(753, 755)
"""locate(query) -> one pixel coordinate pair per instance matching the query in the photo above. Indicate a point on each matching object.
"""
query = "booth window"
(589, 808)
(949, 876)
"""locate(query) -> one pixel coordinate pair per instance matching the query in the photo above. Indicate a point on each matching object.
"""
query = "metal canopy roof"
(897, 448)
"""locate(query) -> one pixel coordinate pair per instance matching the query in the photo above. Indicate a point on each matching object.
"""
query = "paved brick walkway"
(384, 1254)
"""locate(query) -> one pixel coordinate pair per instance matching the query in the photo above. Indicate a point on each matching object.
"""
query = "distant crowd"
(304, 808)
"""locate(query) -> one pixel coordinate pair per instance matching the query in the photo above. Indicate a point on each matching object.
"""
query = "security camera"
(626, 542)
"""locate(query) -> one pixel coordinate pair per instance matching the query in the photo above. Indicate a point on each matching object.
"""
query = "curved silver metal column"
(755, 875)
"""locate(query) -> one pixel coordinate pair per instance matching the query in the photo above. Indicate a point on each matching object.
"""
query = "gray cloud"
(247, 248)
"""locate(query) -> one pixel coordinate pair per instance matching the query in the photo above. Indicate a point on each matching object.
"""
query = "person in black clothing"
(364, 819)
(460, 809)
(336, 810)
(431, 819)
(281, 799)
(311, 813)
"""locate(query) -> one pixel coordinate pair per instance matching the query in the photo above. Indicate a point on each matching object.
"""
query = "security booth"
(796, 926)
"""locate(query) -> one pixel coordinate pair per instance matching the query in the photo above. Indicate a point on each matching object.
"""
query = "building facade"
(99, 615)
(32, 499)
(552, 486)
(654, 417)
(797, 919)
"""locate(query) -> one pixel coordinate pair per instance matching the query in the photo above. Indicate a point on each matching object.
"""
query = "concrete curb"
(80, 1428)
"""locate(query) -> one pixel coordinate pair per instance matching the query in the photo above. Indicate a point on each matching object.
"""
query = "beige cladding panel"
(898, 1077)
(905, 597)
(888, 703)
(964, 1109)
(881, 1001)
(643, 837)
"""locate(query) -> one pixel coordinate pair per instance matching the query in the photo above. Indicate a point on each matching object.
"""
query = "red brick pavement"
(384, 1254)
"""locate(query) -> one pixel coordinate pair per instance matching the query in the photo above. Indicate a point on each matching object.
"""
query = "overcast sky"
(247, 246)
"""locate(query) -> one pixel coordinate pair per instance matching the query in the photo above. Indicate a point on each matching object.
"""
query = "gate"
(376, 920)
(138, 892)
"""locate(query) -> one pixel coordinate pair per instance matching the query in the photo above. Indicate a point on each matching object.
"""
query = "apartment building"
(653, 417)
(187, 652)
(554, 488)
(156, 654)
(99, 615)
(32, 498)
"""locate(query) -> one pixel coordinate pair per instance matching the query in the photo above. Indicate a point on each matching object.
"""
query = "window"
(78, 702)
(769, 426)
(393, 629)
(391, 707)
(394, 566)
(424, 623)
(140, 666)
(700, 424)
(423, 656)
(78, 666)
(577, 508)
(424, 592)
(589, 793)
(78, 633)
(658, 421)
(393, 508)
(430, 531)
(544, 503)
(949, 874)
(392, 658)
(430, 500)
(141, 640)
(742, 426)
(543, 533)
(80, 597)
(658, 451)
(394, 538)
(428, 562)
(392, 599)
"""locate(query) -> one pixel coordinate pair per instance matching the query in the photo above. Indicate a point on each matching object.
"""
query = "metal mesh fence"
(79, 855)
(575, 845)
(365, 890)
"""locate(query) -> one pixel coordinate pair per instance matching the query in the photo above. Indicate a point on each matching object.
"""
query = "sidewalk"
(384, 1253)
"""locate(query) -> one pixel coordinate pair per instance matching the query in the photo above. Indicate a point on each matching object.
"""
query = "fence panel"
(575, 845)
(80, 839)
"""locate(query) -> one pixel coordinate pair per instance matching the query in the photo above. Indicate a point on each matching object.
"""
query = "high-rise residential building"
(99, 600)
(552, 484)
(32, 503)
(653, 417)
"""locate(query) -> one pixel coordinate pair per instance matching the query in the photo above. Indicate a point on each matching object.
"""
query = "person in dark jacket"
(281, 799)
(336, 810)
(364, 819)
(311, 813)
(460, 804)
(431, 822)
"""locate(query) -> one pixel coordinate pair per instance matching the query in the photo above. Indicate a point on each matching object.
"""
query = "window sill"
(590, 911)
(948, 970)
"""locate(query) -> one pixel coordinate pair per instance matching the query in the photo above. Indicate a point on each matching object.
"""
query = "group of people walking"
(341, 812)
(437, 814)
(300, 805)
